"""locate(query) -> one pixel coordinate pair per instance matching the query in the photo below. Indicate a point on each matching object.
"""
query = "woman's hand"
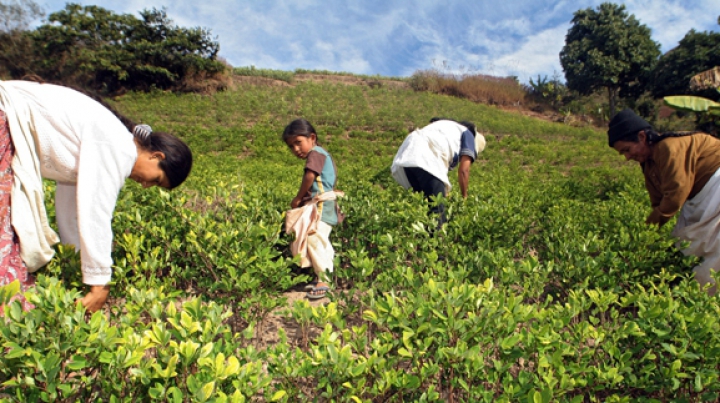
(296, 202)
(308, 179)
(95, 299)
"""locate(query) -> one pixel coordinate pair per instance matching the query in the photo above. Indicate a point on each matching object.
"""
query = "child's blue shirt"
(320, 162)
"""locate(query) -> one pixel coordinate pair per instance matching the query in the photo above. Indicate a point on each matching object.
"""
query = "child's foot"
(318, 291)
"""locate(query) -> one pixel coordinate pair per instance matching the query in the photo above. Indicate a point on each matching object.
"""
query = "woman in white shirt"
(428, 154)
(57, 133)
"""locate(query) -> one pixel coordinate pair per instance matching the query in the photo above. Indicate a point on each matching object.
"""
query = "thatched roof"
(706, 80)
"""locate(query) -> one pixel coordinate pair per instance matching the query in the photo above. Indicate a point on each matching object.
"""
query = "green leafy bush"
(545, 285)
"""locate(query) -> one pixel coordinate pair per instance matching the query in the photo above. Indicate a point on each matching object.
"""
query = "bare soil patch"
(255, 80)
(330, 78)
(277, 319)
(351, 80)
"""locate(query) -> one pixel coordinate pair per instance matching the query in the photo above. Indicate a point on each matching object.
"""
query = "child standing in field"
(320, 176)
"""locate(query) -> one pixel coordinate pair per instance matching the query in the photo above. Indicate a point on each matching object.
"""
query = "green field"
(546, 285)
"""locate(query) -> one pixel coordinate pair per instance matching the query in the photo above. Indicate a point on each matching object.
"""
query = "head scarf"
(625, 124)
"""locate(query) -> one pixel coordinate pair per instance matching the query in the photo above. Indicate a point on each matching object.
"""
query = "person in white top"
(428, 154)
(58, 133)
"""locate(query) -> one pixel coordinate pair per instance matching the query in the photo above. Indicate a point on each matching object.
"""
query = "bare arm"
(464, 174)
(307, 182)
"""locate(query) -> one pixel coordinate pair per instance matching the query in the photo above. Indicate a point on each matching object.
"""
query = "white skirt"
(699, 223)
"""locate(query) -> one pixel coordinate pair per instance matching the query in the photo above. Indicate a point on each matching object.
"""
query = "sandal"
(311, 285)
(318, 292)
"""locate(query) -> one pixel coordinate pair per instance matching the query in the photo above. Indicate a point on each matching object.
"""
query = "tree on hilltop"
(696, 52)
(607, 48)
(15, 46)
(94, 47)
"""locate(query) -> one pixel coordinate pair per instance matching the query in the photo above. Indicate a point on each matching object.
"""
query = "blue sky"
(398, 37)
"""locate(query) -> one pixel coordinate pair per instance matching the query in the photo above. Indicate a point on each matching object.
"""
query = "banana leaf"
(691, 103)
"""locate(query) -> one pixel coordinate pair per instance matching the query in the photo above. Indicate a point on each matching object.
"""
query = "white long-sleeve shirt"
(89, 153)
(436, 148)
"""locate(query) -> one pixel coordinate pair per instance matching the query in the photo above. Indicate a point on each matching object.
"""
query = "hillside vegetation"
(544, 286)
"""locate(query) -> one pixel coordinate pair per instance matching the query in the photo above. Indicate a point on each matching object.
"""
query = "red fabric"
(11, 265)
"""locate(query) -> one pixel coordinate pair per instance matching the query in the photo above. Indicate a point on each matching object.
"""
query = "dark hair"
(178, 157)
(298, 127)
(653, 137)
(469, 125)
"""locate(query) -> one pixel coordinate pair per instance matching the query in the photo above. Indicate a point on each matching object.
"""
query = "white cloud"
(539, 54)
(399, 37)
(670, 20)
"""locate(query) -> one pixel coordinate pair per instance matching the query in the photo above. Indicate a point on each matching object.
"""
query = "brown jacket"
(677, 170)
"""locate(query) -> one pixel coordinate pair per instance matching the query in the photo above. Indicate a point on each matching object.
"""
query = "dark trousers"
(422, 181)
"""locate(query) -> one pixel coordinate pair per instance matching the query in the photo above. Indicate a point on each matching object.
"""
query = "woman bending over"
(681, 174)
(53, 132)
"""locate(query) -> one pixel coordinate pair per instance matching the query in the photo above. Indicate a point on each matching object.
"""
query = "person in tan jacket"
(681, 175)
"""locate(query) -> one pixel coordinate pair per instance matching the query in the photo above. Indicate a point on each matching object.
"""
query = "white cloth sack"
(28, 215)
(303, 222)
(320, 250)
(699, 223)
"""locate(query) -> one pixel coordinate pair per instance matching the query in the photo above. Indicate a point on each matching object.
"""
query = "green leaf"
(510, 342)
(175, 394)
(16, 352)
(403, 352)
(359, 369)
(278, 395)
(412, 382)
(8, 291)
(156, 392)
(77, 363)
(370, 315)
(690, 103)
(669, 348)
(237, 397)
(206, 391)
(106, 357)
(232, 367)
